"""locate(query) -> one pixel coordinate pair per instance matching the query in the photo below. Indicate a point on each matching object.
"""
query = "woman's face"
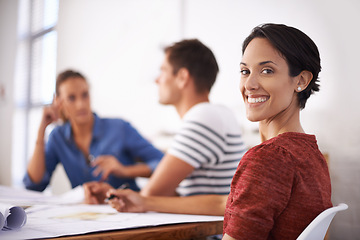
(267, 89)
(75, 100)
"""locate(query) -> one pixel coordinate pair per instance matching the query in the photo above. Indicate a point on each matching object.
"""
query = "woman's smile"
(252, 99)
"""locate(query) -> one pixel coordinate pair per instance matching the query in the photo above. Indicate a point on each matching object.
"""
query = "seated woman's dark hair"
(65, 75)
(300, 52)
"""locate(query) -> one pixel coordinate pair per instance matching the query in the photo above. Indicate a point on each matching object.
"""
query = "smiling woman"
(282, 184)
(90, 148)
(267, 88)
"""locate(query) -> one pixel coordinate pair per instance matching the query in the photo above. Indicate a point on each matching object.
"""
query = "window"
(34, 78)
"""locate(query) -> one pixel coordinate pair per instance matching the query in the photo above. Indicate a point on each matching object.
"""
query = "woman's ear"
(58, 106)
(57, 100)
(303, 80)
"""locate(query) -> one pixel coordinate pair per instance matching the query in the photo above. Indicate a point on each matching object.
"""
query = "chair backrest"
(319, 226)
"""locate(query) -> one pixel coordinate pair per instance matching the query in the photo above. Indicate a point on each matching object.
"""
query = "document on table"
(23, 197)
(64, 216)
(11, 217)
(45, 221)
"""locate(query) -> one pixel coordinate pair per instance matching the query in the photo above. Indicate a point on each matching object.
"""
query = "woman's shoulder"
(268, 149)
(59, 132)
(286, 146)
(297, 143)
(290, 140)
(114, 125)
(59, 128)
(113, 121)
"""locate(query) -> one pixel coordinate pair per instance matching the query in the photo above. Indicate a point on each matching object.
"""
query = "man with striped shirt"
(207, 148)
(210, 142)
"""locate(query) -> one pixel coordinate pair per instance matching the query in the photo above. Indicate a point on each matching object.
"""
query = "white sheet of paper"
(46, 221)
(11, 217)
(23, 197)
(54, 216)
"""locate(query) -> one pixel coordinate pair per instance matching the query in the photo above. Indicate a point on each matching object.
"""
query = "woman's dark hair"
(300, 52)
(197, 58)
(65, 75)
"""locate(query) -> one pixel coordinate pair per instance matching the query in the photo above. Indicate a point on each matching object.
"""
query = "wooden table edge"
(195, 230)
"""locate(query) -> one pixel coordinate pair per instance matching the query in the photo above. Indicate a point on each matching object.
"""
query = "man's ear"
(183, 77)
(303, 80)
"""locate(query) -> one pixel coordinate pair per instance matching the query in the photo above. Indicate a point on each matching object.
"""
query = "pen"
(112, 196)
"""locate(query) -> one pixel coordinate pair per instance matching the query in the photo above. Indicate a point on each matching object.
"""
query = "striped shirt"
(210, 140)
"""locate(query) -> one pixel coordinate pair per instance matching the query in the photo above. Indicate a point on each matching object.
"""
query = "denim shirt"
(114, 137)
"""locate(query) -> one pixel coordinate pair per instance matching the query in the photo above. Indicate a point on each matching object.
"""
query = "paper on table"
(74, 196)
(12, 217)
(64, 216)
(66, 220)
(23, 197)
(2, 221)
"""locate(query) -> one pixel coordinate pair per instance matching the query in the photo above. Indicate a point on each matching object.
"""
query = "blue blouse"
(114, 137)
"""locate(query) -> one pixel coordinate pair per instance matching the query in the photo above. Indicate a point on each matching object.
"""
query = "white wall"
(8, 22)
(117, 45)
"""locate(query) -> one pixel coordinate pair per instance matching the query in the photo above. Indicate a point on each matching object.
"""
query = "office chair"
(318, 227)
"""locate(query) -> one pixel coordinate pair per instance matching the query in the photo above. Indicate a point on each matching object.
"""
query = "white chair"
(318, 227)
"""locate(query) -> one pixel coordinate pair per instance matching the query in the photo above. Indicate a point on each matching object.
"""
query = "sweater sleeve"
(260, 190)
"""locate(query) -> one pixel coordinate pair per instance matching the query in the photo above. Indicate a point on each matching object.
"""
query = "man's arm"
(167, 176)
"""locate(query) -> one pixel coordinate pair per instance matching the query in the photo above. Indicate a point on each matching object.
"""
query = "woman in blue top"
(90, 148)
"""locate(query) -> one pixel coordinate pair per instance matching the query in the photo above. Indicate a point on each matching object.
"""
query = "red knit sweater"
(279, 187)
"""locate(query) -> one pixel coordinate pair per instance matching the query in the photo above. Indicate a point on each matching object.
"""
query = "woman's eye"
(267, 71)
(71, 98)
(244, 72)
(85, 95)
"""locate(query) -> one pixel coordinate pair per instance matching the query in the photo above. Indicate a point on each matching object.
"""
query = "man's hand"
(106, 165)
(95, 192)
(126, 200)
